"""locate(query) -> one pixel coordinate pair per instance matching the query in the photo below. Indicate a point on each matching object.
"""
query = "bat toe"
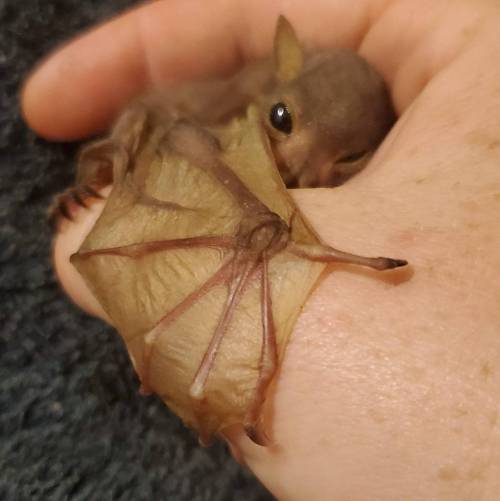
(66, 205)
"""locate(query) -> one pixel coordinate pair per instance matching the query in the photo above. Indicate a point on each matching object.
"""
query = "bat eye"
(281, 118)
(353, 157)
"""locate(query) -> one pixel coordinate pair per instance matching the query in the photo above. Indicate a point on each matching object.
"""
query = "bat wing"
(163, 263)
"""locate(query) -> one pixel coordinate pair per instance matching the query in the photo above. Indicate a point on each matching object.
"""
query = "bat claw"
(65, 203)
(395, 263)
(64, 211)
(91, 192)
(78, 199)
(256, 435)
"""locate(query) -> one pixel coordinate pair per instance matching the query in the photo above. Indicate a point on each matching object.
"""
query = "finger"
(412, 42)
(81, 88)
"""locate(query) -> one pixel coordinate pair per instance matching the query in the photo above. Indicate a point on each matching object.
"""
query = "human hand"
(386, 391)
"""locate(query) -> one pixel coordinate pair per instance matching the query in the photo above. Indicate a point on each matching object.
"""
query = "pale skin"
(389, 389)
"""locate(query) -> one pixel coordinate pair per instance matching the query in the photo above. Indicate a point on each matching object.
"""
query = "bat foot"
(69, 201)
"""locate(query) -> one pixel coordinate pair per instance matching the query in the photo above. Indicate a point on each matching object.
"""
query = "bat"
(325, 112)
(202, 262)
(200, 257)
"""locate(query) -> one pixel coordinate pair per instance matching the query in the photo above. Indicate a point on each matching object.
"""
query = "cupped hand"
(388, 391)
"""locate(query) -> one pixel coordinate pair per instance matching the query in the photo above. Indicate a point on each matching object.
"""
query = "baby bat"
(200, 258)
(325, 112)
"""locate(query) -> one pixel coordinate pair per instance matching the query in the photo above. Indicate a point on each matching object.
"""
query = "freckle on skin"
(470, 205)
(473, 226)
(477, 471)
(377, 416)
(448, 473)
(468, 32)
(460, 411)
(412, 151)
(486, 370)
(494, 419)
(417, 373)
(478, 138)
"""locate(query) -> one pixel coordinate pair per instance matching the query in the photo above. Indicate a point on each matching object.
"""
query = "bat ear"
(288, 54)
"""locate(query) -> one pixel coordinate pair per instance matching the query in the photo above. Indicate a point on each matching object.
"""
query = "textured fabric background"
(72, 425)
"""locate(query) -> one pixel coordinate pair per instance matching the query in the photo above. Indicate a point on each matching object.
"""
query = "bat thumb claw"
(395, 263)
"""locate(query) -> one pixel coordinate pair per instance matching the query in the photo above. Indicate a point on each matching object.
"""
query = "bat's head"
(328, 112)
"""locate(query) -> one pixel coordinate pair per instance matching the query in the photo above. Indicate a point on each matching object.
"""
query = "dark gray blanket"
(72, 425)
